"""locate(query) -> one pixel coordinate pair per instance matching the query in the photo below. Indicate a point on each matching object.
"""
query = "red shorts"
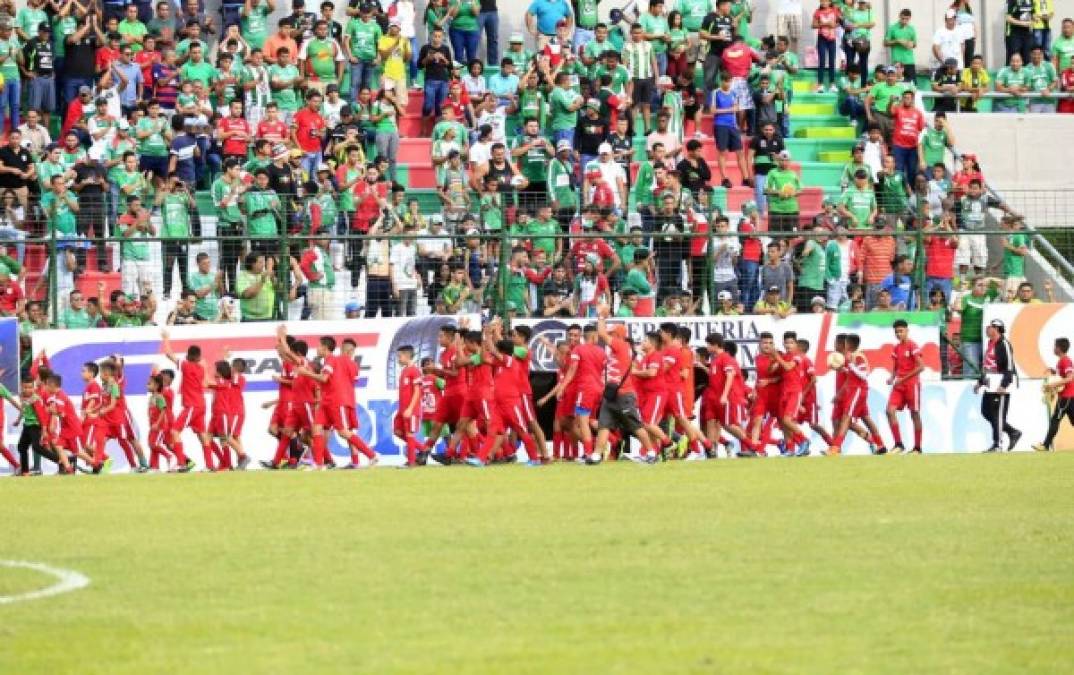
(854, 403)
(528, 411)
(93, 430)
(301, 416)
(789, 404)
(122, 430)
(652, 412)
(765, 402)
(157, 438)
(709, 403)
(279, 414)
(406, 426)
(565, 404)
(587, 402)
(510, 413)
(193, 419)
(809, 414)
(730, 414)
(676, 405)
(450, 409)
(71, 441)
(906, 396)
(340, 417)
(225, 425)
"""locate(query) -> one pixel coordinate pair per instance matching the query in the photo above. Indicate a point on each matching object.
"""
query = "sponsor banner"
(1032, 330)
(9, 354)
(376, 389)
(877, 339)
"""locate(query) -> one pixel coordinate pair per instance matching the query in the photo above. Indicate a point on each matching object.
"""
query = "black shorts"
(728, 139)
(268, 247)
(622, 414)
(782, 222)
(643, 91)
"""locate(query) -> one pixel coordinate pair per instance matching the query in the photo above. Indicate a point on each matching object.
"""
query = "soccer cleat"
(441, 458)
(373, 461)
(244, 462)
(915, 451)
(1040, 447)
(694, 457)
(474, 461)
(535, 462)
(747, 453)
(107, 466)
(781, 445)
(266, 464)
(897, 449)
(593, 460)
(423, 458)
(833, 451)
(140, 469)
(803, 449)
(994, 448)
(1013, 437)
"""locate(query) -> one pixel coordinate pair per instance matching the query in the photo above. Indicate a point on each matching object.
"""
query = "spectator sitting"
(772, 304)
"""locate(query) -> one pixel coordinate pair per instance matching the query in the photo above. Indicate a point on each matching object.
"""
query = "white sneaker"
(834, 89)
(819, 89)
(695, 457)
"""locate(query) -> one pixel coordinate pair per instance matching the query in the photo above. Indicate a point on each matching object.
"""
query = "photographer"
(176, 204)
(227, 193)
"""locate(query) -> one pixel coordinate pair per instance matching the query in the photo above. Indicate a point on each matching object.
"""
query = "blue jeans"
(489, 23)
(1042, 37)
(361, 76)
(825, 60)
(971, 358)
(661, 65)
(759, 196)
(748, 280)
(906, 162)
(563, 135)
(11, 100)
(435, 93)
(853, 108)
(310, 162)
(414, 49)
(464, 44)
(9, 233)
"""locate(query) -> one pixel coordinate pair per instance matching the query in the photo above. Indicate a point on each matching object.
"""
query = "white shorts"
(972, 250)
(135, 273)
(789, 25)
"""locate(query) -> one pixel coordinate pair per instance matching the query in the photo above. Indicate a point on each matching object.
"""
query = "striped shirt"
(638, 59)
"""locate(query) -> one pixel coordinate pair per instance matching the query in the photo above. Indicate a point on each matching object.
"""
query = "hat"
(860, 147)
(950, 14)
(562, 145)
(827, 201)
(997, 324)
(323, 167)
(593, 103)
(295, 153)
(889, 70)
(395, 21)
(603, 148)
(773, 289)
(455, 65)
(724, 295)
(618, 330)
(352, 306)
(817, 300)
(516, 37)
(124, 125)
(279, 150)
(861, 173)
(784, 154)
(950, 63)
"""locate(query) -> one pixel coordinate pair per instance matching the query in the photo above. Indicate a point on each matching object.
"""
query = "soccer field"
(873, 564)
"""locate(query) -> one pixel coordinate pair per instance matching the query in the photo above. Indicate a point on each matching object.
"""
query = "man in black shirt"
(945, 81)
(693, 169)
(338, 133)
(302, 21)
(16, 167)
(670, 250)
(91, 182)
(590, 132)
(434, 59)
(717, 30)
(762, 157)
(38, 67)
(80, 54)
(622, 145)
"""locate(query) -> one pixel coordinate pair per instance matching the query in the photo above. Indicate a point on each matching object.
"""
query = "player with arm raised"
(191, 395)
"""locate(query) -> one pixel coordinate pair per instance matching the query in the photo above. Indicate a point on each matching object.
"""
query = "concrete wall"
(1019, 151)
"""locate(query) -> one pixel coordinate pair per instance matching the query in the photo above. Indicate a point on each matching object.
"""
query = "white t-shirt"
(403, 258)
(496, 119)
(435, 245)
(950, 44)
(611, 173)
(330, 112)
(480, 153)
(405, 12)
(792, 7)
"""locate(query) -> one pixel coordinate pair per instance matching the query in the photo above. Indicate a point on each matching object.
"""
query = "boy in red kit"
(282, 407)
(586, 374)
(408, 418)
(1060, 384)
(478, 408)
(508, 364)
(852, 398)
(809, 413)
(124, 419)
(160, 421)
(304, 409)
(173, 440)
(191, 395)
(792, 394)
(66, 438)
(432, 397)
(112, 416)
(342, 414)
(520, 336)
(237, 406)
(93, 426)
(562, 422)
(680, 366)
(905, 384)
(723, 402)
(449, 407)
(222, 420)
(652, 387)
(766, 395)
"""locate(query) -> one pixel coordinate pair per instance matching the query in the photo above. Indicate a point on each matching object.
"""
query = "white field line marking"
(67, 580)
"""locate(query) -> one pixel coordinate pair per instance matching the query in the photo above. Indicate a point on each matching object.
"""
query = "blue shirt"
(725, 101)
(128, 96)
(503, 85)
(899, 286)
(548, 13)
(183, 149)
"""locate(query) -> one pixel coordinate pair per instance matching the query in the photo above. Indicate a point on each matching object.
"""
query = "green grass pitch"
(896, 564)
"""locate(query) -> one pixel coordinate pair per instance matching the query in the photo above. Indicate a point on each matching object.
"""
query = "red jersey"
(480, 377)
(857, 372)
(231, 125)
(738, 386)
(70, 422)
(653, 385)
(160, 416)
(684, 361)
(305, 387)
(276, 131)
(1064, 368)
(454, 385)
(751, 246)
(721, 367)
(793, 380)
(506, 377)
(589, 360)
(908, 123)
(672, 373)
(222, 396)
(737, 59)
(620, 365)
(309, 126)
(409, 384)
(342, 373)
(809, 372)
(431, 395)
(524, 384)
(192, 387)
(145, 59)
(584, 247)
(169, 400)
(91, 397)
(287, 388)
(904, 356)
(111, 392)
(764, 365)
(234, 395)
(10, 296)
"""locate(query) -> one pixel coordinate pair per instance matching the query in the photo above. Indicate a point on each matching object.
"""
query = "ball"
(836, 361)
(787, 190)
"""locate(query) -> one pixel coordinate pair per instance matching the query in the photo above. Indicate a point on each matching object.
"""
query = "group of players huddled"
(474, 403)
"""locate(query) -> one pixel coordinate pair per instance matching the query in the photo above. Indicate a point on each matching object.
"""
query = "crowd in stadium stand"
(295, 128)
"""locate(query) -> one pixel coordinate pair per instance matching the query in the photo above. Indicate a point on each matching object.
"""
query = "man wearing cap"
(394, 52)
(38, 65)
(996, 379)
(542, 16)
(771, 303)
(517, 52)
(882, 98)
(610, 173)
(562, 185)
(589, 134)
(947, 41)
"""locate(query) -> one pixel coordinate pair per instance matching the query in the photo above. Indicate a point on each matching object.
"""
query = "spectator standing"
(281, 39)
(1018, 32)
(858, 24)
(941, 245)
(763, 151)
(967, 27)
(405, 280)
(38, 66)
(435, 62)
(543, 16)
(907, 124)
(971, 310)
(308, 132)
(877, 253)
(947, 41)
(778, 273)
(394, 51)
(17, 170)
(783, 186)
(1043, 80)
(360, 42)
(826, 22)
(975, 82)
(175, 204)
(133, 85)
(256, 288)
(726, 130)
(901, 39)
(227, 195)
(316, 265)
(386, 111)
(654, 24)
(134, 228)
(1015, 250)
(207, 286)
(321, 58)
(465, 33)
(639, 57)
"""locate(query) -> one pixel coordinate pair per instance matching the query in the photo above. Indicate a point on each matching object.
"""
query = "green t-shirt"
(261, 207)
(620, 77)
(563, 118)
(364, 36)
(972, 311)
(860, 203)
(1063, 49)
(175, 217)
(28, 19)
(60, 217)
(643, 185)
(1014, 265)
(885, 94)
(206, 307)
(46, 170)
(900, 54)
(61, 28)
(29, 413)
(559, 185)
(286, 99)
(71, 318)
(521, 58)
(533, 164)
(587, 14)
(441, 127)
(153, 145)
(812, 270)
(133, 246)
(693, 13)
(322, 265)
(182, 48)
(126, 178)
(387, 123)
(133, 29)
(637, 281)
(202, 72)
(465, 17)
(538, 232)
(9, 50)
(857, 17)
(1040, 78)
(321, 56)
(220, 191)
(655, 25)
(491, 206)
(1008, 78)
(531, 103)
(9, 265)
(935, 142)
(255, 26)
(893, 198)
(776, 180)
(260, 306)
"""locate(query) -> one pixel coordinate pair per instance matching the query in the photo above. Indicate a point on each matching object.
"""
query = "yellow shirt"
(1042, 7)
(395, 64)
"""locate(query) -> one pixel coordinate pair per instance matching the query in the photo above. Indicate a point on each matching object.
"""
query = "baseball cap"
(723, 295)
(562, 145)
(593, 103)
(279, 150)
(773, 289)
(296, 153)
(352, 306)
(950, 14)
(861, 173)
(817, 300)
(84, 90)
(784, 154)
(323, 167)
(665, 81)
(516, 37)
(124, 124)
(603, 148)
(889, 70)
(592, 258)
(997, 323)
(950, 63)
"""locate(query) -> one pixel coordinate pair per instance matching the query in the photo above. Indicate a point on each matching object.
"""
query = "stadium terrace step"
(811, 121)
(87, 282)
(809, 149)
(826, 132)
(834, 156)
(822, 174)
(414, 150)
(811, 109)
